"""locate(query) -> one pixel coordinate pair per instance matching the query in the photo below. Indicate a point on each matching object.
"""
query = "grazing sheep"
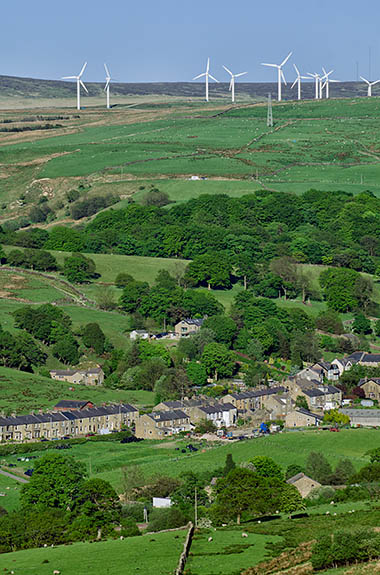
(121, 538)
(244, 534)
(209, 539)
(56, 572)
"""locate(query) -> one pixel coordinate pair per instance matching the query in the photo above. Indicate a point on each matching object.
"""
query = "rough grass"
(22, 392)
(147, 554)
(11, 491)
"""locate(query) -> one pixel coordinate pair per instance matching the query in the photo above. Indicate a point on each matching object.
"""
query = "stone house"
(300, 417)
(303, 483)
(278, 405)
(252, 400)
(187, 327)
(221, 414)
(161, 424)
(371, 387)
(59, 424)
(91, 376)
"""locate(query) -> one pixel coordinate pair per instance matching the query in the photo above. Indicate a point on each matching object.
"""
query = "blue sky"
(169, 40)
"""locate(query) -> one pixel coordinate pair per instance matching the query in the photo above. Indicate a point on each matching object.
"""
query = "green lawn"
(144, 555)
(22, 392)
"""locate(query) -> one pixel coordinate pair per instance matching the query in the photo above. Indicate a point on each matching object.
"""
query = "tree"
(344, 470)
(66, 350)
(205, 426)
(255, 350)
(266, 467)
(132, 295)
(196, 372)
(318, 468)
(133, 480)
(156, 198)
(218, 360)
(212, 269)
(105, 298)
(292, 470)
(304, 346)
(339, 288)
(79, 269)
(56, 482)
(291, 500)
(377, 328)
(223, 327)
(229, 464)
(301, 401)
(285, 268)
(93, 337)
(98, 500)
(335, 417)
(330, 321)
(123, 279)
(361, 324)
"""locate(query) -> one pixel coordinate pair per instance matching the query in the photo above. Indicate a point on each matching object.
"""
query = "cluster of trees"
(53, 327)
(165, 300)
(20, 351)
(345, 547)
(30, 258)
(91, 205)
(60, 505)
(333, 228)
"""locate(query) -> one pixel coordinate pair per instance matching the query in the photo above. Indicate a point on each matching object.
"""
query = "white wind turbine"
(79, 83)
(298, 81)
(232, 83)
(327, 80)
(318, 84)
(107, 86)
(280, 73)
(370, 84)
(207, 75)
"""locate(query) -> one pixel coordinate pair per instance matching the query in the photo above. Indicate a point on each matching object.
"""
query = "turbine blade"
(83, 69)
(296, 69)
(364, 80)
(208, 65)
(271, 65)
(286, 59)
(83, 86)
(295, 82)
(227, 70)
(106, 86)
(373, 83)
(214, 79)
(241, 74)
(283, 78)
(199, 76)
(231, 84)
(107, 71)
(69, 78)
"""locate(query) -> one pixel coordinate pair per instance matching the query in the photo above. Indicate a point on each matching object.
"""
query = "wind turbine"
(298, 80)
(280, 73)
(370, 84)
(317, 79)
(207, 75)
(327, 80)
(232, 83)
(79, 83)
(107, 86)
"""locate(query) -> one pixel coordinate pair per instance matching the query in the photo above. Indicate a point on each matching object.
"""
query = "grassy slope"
(135, 555)
(285, 448)
(11, 490)
(22, 392)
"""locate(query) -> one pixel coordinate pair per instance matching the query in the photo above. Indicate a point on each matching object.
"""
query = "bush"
(170, 518)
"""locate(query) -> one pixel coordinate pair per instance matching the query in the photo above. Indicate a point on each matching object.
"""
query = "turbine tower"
(327, 80)
(298, 81)
(280, 73)
(317, 79)
(107, 86)
(232, 83)
(207, 75)
(370, 84)
(79, 83)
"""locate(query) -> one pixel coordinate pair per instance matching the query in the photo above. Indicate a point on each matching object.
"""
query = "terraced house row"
(73, 422)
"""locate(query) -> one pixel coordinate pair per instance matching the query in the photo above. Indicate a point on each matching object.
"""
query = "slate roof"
(167, 415)
(71, 404)
(193, 321)
(309, 413)
(371, 358)
(366, 380)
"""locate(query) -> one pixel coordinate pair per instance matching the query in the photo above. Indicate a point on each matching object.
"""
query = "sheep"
(209, 539)
(244, 534)
(56, 572)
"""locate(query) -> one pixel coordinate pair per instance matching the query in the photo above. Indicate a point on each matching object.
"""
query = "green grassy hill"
(135, 555)
(22, 392)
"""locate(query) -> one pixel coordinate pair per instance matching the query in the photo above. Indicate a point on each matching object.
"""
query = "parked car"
(29, 472)
(334, 429)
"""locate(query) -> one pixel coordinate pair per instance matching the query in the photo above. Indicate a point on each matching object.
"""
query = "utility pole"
(196, 509)
(270, 112)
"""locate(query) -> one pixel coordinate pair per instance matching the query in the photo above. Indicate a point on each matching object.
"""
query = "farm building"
(363, 417)
(303, 483)
(92, 376)
(161, 424)
(302, 418)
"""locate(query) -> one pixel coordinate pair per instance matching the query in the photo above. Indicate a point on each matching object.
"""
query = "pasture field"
(289, 447)
(10, 491)
(22, 392)
(327, 145)
(158, 555)
(227, 553)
